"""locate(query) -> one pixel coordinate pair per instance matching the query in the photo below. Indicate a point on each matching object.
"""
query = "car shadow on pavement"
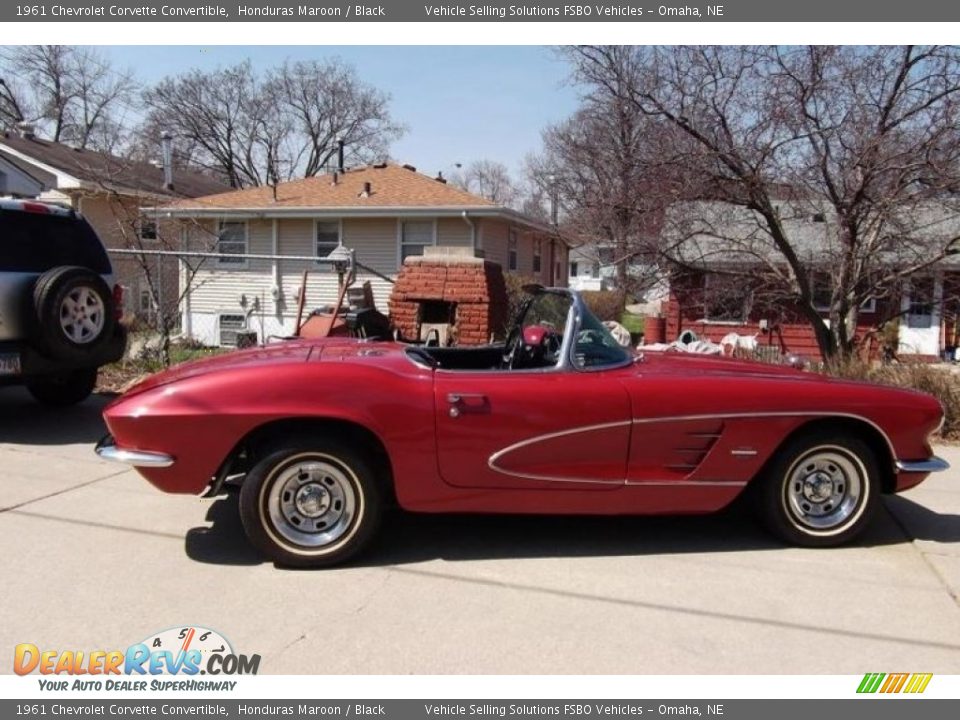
(922, 523)
(24, 421)
(411, 538)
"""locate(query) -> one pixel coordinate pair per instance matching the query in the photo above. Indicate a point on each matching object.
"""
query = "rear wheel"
(311, 504)
(62, 389)
(820, 490)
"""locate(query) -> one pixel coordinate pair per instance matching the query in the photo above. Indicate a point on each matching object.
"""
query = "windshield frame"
(578, 309)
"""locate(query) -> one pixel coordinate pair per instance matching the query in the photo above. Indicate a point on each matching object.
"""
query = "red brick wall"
(475, 285)
(793, 333)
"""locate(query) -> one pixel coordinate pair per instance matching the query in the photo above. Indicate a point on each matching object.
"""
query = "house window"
(232, 240)
(573, 269)
(537, 255)
(920, 312)
(147, 229)
(725, 299)
(512, 250)
(415, 235)
(328, 239)
(146, 302)
(229, 326)
(823, 293)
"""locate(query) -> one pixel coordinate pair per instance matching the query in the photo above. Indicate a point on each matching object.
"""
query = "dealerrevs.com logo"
(887, 683)
(191, 650)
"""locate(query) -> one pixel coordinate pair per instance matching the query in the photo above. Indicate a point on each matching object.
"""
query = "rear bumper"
(931, 464)
(34, 363)
(108, 450)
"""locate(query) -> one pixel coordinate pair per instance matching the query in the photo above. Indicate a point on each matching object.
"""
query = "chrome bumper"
(929, 465)
(108, 450)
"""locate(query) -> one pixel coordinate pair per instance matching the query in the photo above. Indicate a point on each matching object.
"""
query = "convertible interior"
(534, 342)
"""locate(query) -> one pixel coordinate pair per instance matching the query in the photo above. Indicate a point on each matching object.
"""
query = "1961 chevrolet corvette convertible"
(558, 419)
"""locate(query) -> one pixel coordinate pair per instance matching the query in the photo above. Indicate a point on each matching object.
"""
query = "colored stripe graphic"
(918, 682)
(894, 682)
(870, 682)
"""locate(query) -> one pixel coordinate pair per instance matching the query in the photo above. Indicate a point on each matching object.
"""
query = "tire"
(67, 388)
(311, 503)
(820, 490)
(74, 313)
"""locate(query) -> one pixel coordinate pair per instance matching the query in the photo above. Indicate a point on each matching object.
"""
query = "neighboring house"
(586, 270)
(16, 180)
(110, 192)
(593, 266)
(384, 213)
(705, 300)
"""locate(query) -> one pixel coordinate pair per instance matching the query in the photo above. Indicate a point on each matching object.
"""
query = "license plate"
(9, 363)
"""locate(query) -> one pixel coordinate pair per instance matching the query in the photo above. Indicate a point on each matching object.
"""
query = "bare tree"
(256, 130)
(864, 142)
(602, 164)
(605, 167)
(325, 101)
(74, 94)
(488, 179)
(12, 103)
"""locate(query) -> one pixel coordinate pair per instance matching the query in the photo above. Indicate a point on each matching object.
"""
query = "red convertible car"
(558, 419)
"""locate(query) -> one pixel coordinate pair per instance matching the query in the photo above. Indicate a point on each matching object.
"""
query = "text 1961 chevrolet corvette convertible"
(558, 419)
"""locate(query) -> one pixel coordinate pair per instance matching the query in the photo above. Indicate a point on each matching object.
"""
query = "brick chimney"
(449, 286)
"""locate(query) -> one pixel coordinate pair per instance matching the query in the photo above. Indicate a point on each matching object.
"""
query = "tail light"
(38, 208)
(117, 301)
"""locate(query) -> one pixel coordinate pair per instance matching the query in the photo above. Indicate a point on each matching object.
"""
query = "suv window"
(34, 242)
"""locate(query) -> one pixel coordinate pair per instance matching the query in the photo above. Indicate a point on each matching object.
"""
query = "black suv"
(58, 304)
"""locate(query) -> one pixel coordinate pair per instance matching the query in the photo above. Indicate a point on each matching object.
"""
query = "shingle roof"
(102, 169)
(391, 186)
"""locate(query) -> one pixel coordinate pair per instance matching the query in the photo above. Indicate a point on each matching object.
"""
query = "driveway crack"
(60, 492)
(954, 595)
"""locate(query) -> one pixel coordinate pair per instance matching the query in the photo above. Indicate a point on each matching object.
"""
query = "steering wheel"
(511, 347)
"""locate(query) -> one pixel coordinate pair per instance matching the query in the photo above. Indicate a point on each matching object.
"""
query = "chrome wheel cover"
(825, 490)
(82, 315)
(311, 501)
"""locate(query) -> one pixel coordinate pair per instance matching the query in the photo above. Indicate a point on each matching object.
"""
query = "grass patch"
(633, 323)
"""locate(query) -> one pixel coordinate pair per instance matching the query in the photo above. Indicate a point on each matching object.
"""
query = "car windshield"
(594, 346)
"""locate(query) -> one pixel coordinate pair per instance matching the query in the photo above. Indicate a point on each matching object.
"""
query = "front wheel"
(820, 490)
(311, 504)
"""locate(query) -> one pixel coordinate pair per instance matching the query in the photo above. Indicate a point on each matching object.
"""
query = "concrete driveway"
(96, 558)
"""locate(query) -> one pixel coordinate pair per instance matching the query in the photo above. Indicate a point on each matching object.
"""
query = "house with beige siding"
(110, 192)
(383, 213)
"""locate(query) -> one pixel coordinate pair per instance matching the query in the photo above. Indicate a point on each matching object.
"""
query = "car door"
(552, 430)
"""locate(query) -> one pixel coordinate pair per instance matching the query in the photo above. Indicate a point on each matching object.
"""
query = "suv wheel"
(67, 388)
(74, 312)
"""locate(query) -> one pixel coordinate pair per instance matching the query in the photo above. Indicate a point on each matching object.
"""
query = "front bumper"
(108, 450)
(931, 464)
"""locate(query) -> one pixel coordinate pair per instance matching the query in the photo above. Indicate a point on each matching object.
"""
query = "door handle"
(457, 398)
(467, 402)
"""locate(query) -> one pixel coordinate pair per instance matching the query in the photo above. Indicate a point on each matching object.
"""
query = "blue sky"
(459, 103)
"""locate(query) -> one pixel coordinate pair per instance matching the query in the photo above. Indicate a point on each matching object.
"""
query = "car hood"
(287, 352)
(691, 363)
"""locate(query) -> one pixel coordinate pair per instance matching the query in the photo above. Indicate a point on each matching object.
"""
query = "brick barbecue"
(462, 297)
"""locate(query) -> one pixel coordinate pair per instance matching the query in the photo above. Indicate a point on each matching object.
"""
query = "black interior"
(486, 357)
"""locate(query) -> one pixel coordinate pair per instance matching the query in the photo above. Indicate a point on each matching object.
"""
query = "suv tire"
(62, 389)
(74, 312)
